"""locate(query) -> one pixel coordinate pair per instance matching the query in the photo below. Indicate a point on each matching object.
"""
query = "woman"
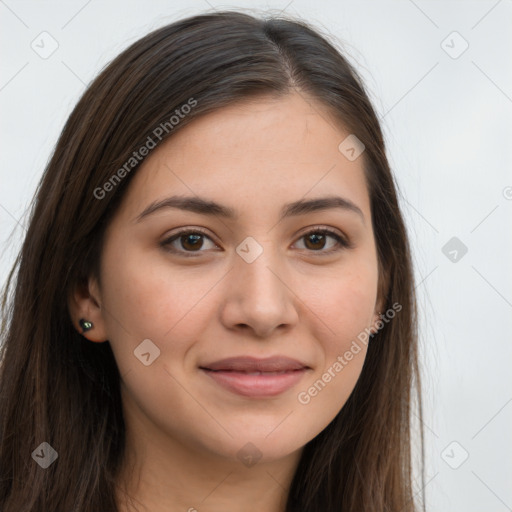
(214, 306)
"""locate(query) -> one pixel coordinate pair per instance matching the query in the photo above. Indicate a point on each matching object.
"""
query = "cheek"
(343, 314)
(146, 300)
(324, 395)
(342, 331)
(344, 306)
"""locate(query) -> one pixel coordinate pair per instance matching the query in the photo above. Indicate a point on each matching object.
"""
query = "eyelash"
(342, 243)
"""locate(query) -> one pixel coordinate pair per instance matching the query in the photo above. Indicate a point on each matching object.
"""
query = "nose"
(260, 296)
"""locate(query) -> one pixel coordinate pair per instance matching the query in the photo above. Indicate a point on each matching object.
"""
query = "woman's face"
(253, 284)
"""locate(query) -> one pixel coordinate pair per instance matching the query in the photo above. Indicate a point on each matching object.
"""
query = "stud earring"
(85, 325)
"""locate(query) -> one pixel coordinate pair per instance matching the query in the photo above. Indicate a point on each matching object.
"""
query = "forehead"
(253, 154)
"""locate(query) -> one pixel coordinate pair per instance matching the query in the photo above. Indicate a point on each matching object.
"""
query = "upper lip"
(252, 364)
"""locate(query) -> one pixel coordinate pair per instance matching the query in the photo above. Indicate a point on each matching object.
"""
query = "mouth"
(256, 378)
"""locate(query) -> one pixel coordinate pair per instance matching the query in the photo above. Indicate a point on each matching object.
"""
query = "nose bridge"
(259, 287)
(259, 267)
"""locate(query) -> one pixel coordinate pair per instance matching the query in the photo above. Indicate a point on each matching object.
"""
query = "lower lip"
(263, 385)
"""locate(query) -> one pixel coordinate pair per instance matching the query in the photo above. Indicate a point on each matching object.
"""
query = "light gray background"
(447, 121)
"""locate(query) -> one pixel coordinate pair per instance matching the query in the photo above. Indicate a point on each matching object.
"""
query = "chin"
(254, 446)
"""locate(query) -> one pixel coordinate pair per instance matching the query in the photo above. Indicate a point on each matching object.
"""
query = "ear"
(382, 292)
(85, 302)
(376, 315)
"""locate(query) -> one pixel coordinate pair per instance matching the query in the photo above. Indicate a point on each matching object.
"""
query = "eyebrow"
(207, 207)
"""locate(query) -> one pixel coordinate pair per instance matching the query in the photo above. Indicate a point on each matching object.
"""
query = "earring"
(85, 325)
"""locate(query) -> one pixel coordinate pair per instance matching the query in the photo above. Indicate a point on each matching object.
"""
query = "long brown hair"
(59, 388)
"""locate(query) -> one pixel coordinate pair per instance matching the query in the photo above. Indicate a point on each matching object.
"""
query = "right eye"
(190, 240)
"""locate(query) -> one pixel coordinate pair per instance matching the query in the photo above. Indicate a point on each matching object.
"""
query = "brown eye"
(190, 241)
(316, 241)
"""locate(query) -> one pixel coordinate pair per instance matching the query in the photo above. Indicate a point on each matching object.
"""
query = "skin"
(183, 430)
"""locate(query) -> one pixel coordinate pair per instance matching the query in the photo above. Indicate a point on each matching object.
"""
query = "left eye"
(191, 241)
(320, 236)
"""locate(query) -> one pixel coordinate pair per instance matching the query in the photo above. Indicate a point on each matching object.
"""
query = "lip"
(254, 364)
(257, 378)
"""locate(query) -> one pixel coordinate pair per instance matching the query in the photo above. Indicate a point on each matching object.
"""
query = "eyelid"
(342, 240)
